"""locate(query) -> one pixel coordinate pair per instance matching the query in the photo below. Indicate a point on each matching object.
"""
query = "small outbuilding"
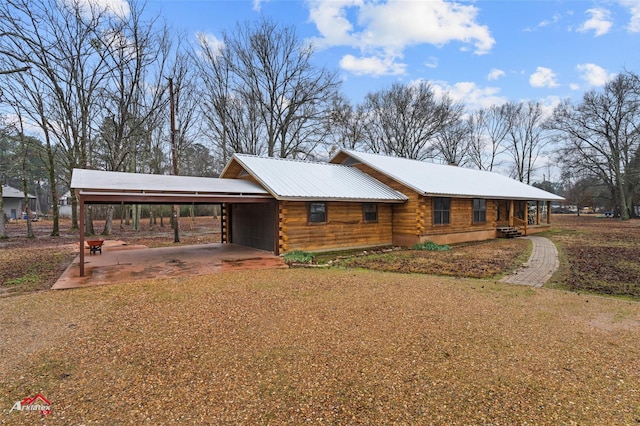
(13, 202)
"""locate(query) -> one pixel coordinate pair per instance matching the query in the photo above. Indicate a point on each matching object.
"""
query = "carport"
(252, 205)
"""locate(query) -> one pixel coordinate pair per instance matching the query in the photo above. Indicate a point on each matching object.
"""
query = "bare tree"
(487, 133)
(265, 89)
(601, 134)
(345, 124)
(60, 42)
(526, 136)
(404, 120)
(452, 143)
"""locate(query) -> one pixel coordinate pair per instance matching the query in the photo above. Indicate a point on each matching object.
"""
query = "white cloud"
(495, 74)
(473, 96)
(372, 65)
(385, 29)
(634, 9)
(574, 86)
(211, 42)
(594, 75)
(543, 77)
(554, 20)
(600, 22)
(115, 7)
(331, 21)
(432, 62)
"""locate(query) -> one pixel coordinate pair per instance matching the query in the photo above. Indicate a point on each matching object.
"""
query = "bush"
(431, 246)
(298, 256)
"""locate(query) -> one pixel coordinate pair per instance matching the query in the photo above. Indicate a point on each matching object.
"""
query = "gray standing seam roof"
(288, 179)
(432, 179)
(11, 192)
(140, 182)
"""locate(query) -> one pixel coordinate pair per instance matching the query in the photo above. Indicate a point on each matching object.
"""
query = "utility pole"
(174, 160)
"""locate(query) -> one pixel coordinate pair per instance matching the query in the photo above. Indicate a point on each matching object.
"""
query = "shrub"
(431, 246)
(298, 256)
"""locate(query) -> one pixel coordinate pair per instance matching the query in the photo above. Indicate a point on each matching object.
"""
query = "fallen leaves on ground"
(321, 347)
(600, 255)
(475, 260)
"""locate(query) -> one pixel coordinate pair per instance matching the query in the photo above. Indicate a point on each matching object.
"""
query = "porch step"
(508, 232)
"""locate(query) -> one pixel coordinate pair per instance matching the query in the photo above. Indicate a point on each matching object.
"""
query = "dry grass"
(321, 347)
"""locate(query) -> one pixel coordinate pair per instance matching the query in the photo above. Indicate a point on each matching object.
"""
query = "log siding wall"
(345, 227)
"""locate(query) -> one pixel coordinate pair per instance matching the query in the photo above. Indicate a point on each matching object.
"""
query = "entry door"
(253, 225)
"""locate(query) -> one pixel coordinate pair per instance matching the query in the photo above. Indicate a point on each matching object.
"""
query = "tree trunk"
(74, 212)
(27, 208)
(3, 228)
(88, 221)
(108, 223)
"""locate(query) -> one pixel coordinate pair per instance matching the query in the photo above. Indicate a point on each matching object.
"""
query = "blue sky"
(481, 52)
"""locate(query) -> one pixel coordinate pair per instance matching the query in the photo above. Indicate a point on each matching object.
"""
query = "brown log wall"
(345, 227)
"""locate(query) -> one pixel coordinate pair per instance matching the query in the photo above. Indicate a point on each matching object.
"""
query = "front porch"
(516, 218)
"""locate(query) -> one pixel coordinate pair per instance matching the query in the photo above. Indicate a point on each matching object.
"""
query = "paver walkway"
(540, 266)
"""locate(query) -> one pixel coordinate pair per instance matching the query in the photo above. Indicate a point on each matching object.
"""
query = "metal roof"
(104, 182)
(432, 179)
(288, 179)
(11, 192)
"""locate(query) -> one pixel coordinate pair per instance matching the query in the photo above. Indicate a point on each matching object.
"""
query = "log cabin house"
(360, 200)
(356, 200)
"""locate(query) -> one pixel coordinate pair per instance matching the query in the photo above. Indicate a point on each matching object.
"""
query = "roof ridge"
(293, 160)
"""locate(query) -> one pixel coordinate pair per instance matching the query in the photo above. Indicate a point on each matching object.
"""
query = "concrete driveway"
(122, 263)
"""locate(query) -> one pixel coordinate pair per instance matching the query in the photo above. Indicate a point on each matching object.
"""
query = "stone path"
(540, 266)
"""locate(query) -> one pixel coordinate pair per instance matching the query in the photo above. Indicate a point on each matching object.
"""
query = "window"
(479, 210)
(317, 212)
(370, 212)
(441, 211)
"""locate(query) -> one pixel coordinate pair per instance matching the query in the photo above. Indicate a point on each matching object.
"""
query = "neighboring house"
(13, 202)
(356, 200)
(64, 205)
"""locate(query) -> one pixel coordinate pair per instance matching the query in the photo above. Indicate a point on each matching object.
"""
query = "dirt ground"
(597, 254)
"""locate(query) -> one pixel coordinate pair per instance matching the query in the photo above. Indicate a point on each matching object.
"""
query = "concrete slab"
(122, 263)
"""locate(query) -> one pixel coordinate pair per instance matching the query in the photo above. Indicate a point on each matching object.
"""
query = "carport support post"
(81, 235)
(176, 231)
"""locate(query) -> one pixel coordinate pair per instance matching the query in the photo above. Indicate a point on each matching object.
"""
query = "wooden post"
(511, 210)
(548, 212)
(81, 201)
(538, 212)
(174, 160)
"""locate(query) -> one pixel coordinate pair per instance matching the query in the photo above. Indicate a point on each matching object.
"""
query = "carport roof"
(120, 186)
